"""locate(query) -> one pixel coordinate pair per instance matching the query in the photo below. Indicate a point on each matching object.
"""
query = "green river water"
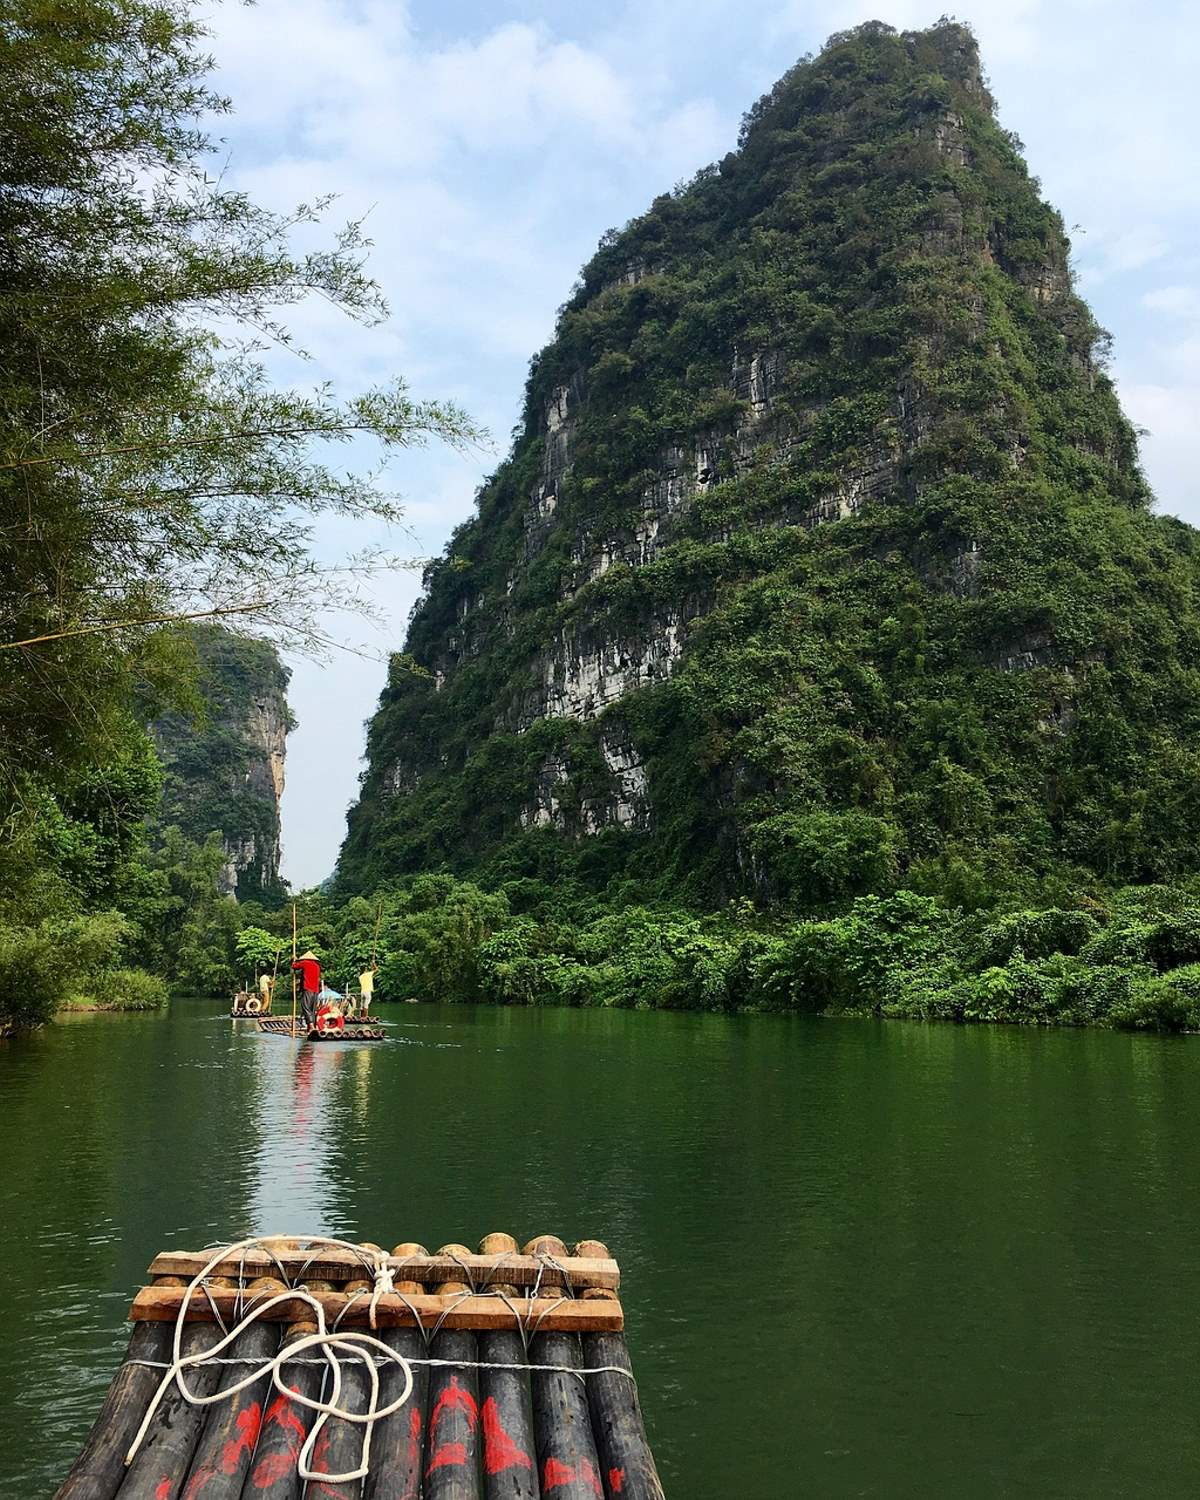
(859, 1259)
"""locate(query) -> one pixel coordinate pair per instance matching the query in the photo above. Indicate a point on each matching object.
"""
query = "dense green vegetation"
(929, 745)
(976, 678)
(1130, 960)
(148, 469)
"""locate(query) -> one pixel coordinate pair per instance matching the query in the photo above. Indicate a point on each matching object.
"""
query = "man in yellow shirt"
(366, 986)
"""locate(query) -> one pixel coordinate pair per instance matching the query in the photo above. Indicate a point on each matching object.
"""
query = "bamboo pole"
(362, 1005)
(375, 938)
(562, 1423)
(509, 1469)
(100, 1467)
(226, 1447)
(452, 1472)
(626, 1462)
(160, 1465)
(293, 968)
(274, 979)
(339, 1448)
(286, 1423)
(398, 1446)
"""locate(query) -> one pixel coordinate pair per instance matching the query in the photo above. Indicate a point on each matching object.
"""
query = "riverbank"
(1127, 958)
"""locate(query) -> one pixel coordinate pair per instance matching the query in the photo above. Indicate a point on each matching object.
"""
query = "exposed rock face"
(225, 773)
(843, 359)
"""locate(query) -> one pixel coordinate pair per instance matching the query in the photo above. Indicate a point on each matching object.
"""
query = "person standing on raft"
(309, 967)
(366, 988)
(266, 984)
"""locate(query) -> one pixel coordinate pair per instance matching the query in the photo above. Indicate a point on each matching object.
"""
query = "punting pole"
(274, 978)
(161, 1464)
(509, 1467)
(226, 1447)
(452, 1444)
(562, 1424)
(293, 968)
(274, 1474)
(375, 937)
(398, 1445)
(100, 1467)
(626, 1462)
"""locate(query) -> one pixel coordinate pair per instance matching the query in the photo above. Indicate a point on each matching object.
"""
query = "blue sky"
(492, 145)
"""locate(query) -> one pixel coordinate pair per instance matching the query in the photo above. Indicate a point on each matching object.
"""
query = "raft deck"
(354, 1031)
(522, 1386)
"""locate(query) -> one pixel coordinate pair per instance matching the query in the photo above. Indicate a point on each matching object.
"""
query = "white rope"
(330, 1343)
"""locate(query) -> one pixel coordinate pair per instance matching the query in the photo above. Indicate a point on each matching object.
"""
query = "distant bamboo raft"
(247, 1003)
(355, 1030)
(521, 1384)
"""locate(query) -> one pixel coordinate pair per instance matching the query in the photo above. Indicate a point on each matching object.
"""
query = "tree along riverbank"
(1128, 958)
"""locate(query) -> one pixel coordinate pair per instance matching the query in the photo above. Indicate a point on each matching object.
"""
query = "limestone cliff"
(225, 768)
(822, 556)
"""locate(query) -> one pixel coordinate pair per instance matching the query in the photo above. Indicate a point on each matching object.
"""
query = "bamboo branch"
(100, 626)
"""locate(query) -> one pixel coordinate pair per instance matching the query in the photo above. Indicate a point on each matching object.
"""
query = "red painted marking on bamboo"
(448, 1456)
(249, 1424)
(321, 1465)
(616, 1480)
(499, 1450)
(162, 1490)
(414, 1456)
(198, 1480)
(273, 1467)
(452, 1398)
(282, 1412)
(556, 1473)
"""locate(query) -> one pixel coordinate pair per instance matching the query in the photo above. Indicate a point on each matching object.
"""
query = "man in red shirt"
(309, 968)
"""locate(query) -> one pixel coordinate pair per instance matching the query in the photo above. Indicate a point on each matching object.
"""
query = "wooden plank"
(156, 1304)
(328, 1264)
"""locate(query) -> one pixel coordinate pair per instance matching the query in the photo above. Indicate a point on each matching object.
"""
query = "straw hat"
(310, 954)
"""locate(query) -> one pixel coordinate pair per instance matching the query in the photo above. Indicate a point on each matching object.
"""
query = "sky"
(490, 145)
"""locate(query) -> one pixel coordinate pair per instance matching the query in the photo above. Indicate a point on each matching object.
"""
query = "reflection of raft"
(521, 1383)
(353, 1031)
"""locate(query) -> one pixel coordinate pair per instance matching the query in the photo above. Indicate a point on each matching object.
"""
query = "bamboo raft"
(521, 1384)
(246, 1003)
(356, 1030)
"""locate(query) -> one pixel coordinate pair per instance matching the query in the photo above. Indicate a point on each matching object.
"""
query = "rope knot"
(385, 1283)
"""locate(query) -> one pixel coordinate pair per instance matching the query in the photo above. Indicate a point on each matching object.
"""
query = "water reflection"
(928, 1261)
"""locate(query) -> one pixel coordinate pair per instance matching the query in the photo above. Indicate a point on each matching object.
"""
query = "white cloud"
(1170, 416)
(1178, 301)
